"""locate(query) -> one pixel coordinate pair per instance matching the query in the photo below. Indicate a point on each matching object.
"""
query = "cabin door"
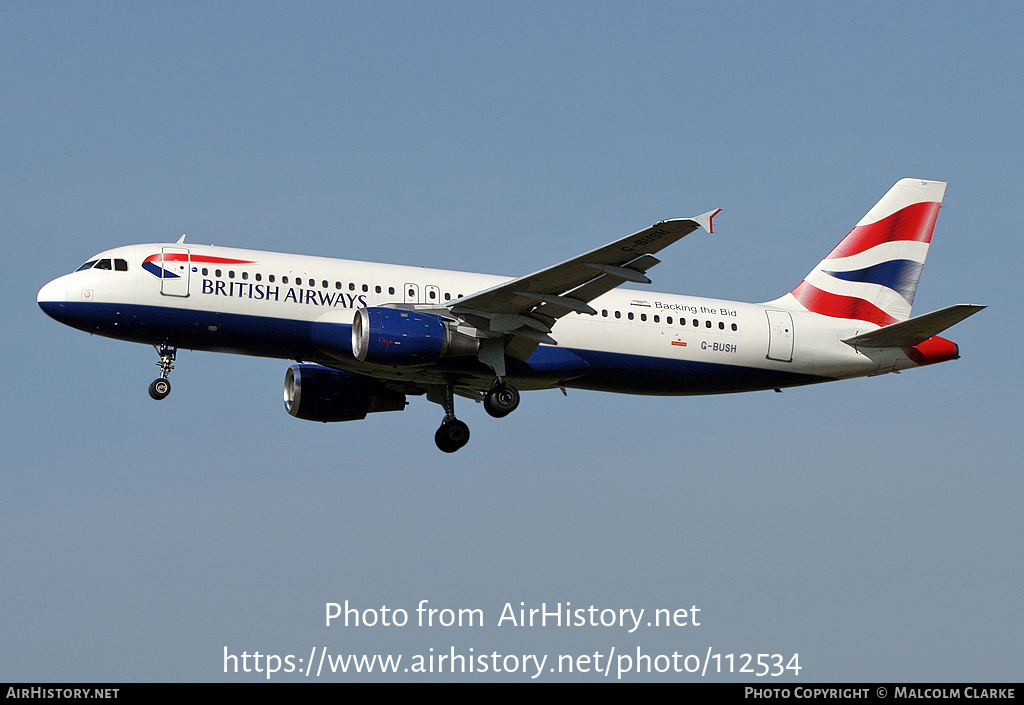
(175, 268)
(780, 336)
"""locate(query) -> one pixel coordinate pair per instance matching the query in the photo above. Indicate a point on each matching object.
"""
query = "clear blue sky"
(872, 526)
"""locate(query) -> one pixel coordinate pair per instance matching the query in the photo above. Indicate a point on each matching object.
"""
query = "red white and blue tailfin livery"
(368, 335)
(872, 275)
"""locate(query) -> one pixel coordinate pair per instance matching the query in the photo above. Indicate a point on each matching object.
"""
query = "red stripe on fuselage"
(183, 257)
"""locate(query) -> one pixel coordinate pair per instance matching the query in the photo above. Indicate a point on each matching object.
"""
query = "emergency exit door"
(780, 336)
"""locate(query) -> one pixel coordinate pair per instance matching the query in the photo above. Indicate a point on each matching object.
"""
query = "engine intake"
(393, 336)
(316, 393)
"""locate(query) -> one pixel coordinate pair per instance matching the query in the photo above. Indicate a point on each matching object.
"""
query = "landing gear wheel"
(452, 435)
(160, 388)
(501, 401)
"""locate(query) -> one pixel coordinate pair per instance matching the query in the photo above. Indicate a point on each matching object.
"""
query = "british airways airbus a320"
(366, 335)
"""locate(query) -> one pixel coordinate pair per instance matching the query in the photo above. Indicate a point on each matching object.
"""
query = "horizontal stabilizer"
(915, 330)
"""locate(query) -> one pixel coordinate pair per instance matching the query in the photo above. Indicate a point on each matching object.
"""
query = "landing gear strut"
(453, 434)
(161, 386)
(501, 400)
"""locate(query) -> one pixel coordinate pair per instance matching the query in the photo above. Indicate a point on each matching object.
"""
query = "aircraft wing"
(529, 306)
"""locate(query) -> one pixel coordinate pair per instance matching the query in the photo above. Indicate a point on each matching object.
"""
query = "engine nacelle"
(394, 336)
(316, 393)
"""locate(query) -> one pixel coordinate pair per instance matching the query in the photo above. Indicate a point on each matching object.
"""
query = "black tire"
(160, 388)
(451, 436)
(501, 401)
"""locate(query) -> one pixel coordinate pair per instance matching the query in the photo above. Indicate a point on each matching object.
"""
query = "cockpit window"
(119, 265)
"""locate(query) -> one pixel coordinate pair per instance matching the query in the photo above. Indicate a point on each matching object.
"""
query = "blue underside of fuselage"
(289, 339)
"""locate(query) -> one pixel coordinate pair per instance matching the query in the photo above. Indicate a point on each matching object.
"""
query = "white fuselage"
(254, 302)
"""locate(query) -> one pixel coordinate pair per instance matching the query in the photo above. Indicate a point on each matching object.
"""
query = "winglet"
(704, 220)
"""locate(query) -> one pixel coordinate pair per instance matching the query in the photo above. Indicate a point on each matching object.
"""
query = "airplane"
(366, 335)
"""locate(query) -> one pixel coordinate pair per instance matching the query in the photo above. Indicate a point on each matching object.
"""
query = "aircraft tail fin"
(872, 274)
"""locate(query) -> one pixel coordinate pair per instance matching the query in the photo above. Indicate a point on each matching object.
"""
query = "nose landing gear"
(161, 386)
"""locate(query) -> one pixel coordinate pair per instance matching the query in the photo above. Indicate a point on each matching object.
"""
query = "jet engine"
(393, 336)
(316, 393)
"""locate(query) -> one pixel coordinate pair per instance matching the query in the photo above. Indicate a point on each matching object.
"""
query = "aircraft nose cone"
(54, 291)
(52, 295)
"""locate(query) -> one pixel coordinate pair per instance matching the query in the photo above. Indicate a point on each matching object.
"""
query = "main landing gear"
(161, 386)
(500, 401)
(453, 434)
